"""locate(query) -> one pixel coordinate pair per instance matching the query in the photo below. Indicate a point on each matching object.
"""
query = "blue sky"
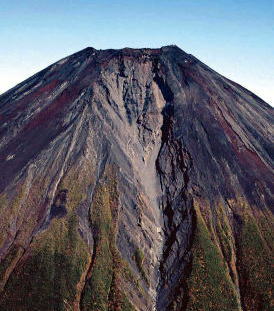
(236, 38)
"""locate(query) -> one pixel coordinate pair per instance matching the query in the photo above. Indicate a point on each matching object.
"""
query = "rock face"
(135, 179)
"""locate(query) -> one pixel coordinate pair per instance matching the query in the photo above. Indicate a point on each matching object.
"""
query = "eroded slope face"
(135, 180)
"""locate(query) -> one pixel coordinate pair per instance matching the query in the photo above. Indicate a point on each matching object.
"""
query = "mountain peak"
(132, 51)
(135, 179)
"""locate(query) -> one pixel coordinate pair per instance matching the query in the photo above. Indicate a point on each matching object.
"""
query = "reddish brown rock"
(135, 179)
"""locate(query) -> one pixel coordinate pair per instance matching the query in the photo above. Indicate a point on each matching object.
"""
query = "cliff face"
(135, 179)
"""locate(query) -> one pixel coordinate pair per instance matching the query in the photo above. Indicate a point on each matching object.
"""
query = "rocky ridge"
(135, 179)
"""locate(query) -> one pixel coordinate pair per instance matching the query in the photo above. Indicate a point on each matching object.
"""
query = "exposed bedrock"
(135, 179)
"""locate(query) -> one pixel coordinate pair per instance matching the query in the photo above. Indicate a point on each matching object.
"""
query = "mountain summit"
(135, 179)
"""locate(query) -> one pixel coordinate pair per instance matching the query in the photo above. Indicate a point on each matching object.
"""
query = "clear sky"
(236, 37)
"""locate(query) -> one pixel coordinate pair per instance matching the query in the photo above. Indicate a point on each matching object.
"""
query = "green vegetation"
(49, 274)
(210, 287)
(54, 264)
(5, 263)
(255, 267)
(102, 292)
(8, 264)
(59, 260)
(225, 234)
(9, 209)
(139, 259)
(128, 275)
(3, 202)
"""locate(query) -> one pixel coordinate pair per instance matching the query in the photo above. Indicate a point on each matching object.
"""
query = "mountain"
(135, 179)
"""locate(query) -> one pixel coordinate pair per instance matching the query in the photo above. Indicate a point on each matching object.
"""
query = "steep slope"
(135, 179)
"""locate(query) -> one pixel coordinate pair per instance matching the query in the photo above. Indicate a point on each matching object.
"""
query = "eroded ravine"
(135, 180)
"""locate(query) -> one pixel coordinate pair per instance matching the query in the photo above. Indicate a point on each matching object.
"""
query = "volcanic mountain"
(135, 179)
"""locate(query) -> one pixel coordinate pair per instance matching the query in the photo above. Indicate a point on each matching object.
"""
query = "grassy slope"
(210, 285)
(103, 291)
